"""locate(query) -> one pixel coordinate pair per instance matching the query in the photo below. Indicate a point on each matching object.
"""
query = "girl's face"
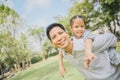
(59, 37)
(78, 27)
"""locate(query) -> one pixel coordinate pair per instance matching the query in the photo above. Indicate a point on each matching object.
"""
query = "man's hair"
(75, 17)
(51, 26)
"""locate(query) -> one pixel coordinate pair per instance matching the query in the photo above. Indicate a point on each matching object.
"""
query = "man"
(73, 51)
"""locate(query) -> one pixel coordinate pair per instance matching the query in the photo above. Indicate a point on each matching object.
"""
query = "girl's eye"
(76, 26)
(81, 26)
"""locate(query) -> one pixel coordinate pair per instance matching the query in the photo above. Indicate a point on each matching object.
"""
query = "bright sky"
(40, 12)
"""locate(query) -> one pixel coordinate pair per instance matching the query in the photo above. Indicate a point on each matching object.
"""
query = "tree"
(38, 33)
(48, 47)
(110, 11)
(9, 45)
(25, 56)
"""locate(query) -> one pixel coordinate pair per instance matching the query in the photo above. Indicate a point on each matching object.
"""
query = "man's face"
(59, 37)
(78, 27)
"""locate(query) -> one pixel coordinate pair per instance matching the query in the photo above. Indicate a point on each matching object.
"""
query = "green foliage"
(110, 8)
(52, 54)
(48, 46)
(36, 59)
(12, 50)
(39, 34)
(5, 11)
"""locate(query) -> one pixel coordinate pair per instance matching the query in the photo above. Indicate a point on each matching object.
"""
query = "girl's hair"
(75, 17)
(51, 26)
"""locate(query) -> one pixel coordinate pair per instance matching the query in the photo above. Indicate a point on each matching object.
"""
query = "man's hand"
(62, 70)
(89, 57)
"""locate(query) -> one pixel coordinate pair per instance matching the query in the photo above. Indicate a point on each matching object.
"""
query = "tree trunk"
(29, 61)
(15, 67)
(18, 66)
(118, 21)
(2, 72)
(114, 27)
(43, 56)
(110, 28)
(23, 64)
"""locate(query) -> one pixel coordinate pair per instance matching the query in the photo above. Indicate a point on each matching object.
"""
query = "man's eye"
(60, 32)
(53, 37)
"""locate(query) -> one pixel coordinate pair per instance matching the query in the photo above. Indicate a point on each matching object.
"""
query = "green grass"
(48, 70)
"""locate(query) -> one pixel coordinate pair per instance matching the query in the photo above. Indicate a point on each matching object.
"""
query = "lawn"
(48, 70)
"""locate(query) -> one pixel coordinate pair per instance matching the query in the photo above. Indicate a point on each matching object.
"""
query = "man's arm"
(61, 64)
(104, 41)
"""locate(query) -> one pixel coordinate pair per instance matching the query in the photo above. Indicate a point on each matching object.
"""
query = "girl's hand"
(89, 57)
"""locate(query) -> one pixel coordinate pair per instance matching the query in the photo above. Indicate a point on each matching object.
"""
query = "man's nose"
(59, 38)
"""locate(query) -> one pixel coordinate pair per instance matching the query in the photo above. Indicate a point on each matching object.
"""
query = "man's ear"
(52, 44)
(70, 28)
(67, 35)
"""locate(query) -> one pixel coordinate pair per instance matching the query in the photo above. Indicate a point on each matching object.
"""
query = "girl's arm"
(88, 52)
(88, 38)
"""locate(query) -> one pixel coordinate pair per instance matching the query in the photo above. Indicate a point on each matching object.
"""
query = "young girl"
(77, 25)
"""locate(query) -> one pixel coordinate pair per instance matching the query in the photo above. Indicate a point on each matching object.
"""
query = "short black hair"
(74, 17)
(52, 26)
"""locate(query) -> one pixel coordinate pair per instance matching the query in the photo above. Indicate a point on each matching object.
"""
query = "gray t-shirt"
(100, 68)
